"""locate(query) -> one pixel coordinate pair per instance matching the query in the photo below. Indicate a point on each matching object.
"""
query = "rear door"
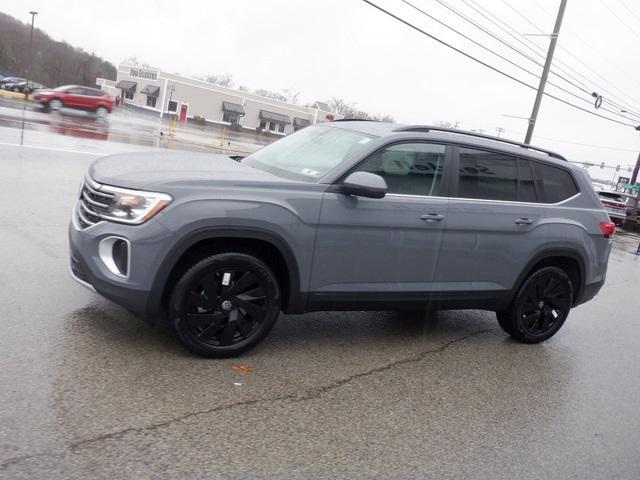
(73, 97)
(494, 222)
(388, 245)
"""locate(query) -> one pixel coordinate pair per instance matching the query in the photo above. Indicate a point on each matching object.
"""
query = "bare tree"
(349, 110)
(54, 63)
(224, 80)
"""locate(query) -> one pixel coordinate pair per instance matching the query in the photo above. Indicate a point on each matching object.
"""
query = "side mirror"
(363, 184)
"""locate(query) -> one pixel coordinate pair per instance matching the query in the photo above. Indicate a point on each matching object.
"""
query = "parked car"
(347, 215)
(28, 87)
(78, 97)
(615, 204)
(12, 81)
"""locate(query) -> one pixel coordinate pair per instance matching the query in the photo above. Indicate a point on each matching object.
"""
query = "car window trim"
(537, 180)
(542, 198)
(446, 168)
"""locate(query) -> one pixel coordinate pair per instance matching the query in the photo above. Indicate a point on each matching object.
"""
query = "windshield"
(308, 154)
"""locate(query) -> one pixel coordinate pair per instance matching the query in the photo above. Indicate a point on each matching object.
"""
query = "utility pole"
(455, 125)
(33, 14)
(500, 130)
(545, 72)
(634, 176)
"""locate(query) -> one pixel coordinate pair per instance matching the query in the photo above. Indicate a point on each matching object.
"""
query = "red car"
(75, 96)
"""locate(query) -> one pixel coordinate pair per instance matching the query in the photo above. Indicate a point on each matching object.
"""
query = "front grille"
(92, 203)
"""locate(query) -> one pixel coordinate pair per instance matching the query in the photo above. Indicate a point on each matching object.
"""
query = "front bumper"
(148, 244)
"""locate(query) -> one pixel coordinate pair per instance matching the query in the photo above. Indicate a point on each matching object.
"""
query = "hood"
(152, 170)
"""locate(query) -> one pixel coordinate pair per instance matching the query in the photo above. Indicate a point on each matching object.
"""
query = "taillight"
(608, 229)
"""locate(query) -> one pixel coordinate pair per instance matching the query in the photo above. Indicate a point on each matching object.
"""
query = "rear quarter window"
(557, 184)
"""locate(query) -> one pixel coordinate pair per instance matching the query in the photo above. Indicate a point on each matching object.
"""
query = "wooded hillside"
(54, 63)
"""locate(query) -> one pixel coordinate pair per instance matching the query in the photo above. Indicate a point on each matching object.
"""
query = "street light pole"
(33, 14)
(545, 71)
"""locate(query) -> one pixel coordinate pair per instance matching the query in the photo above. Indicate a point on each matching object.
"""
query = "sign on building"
(144, 73)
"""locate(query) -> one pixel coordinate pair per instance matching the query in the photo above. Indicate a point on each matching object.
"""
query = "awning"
(151, 91)
(127, 85)
(233, 108)
(274, 117)
(301, 122)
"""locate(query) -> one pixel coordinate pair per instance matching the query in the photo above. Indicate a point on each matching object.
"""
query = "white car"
(615, 204)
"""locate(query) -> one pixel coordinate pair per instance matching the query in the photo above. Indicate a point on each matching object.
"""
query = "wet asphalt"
(87, 391)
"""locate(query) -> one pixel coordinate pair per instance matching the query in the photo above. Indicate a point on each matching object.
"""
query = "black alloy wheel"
(540, 307)
(225, 304)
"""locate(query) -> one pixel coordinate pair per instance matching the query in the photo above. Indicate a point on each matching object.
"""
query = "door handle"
(524, 221)
(431, 217)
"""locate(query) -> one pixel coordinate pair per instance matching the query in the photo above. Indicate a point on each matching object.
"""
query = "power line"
(591, 48)
(464, 17)
(497, 70)
(620, 19)
(540, 52)
(629, 10)
(477, 9)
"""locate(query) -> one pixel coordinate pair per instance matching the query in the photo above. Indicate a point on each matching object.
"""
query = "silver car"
(347, 215)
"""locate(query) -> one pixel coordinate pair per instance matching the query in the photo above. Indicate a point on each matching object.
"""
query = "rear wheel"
(55, 104)
(101, 112)
(540, 307)
(225, 305)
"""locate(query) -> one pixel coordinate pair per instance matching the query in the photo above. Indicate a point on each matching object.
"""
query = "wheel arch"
(569, 260)
(211, 240)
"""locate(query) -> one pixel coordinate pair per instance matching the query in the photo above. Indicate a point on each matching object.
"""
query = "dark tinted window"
(557, 184)
(409, 168)
(526, 186)
(487, 175)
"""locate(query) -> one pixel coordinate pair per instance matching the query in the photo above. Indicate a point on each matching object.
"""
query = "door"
(388, 245)
(73, 97)
(494, 222)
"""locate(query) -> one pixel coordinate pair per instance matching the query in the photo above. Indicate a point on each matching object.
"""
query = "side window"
(487, 175)
(409, 168)
(557, 183)
(526, 185)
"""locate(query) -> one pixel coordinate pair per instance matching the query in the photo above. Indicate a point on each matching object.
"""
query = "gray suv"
(347, 215)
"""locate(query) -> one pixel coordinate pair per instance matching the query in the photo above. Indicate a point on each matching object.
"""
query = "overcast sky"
(346, 48)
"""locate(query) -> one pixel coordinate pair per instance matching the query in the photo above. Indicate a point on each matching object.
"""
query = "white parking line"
(51, 148)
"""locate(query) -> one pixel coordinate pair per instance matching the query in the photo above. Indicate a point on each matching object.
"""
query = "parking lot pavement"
(27, 123)
(88, 391)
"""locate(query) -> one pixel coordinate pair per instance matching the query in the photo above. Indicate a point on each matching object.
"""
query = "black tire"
(216, 315)
(540, 307)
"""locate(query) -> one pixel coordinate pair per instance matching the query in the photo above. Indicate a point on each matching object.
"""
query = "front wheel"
(55, 105)
(225, 305)
(101, 112)
(540, 307)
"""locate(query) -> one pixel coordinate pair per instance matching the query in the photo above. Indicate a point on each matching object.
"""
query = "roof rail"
(427, 128)
(354, 120)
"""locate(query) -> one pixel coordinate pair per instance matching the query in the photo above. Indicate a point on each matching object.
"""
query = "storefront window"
(128, 95)
(173, 106)
(281, 127)
(231, 117)
(272, 126)
(151, 102)
(263, 124)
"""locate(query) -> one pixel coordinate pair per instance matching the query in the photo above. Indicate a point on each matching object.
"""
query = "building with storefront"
(163, 93)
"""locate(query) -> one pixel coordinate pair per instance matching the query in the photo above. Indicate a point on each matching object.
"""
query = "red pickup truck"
(76, 96)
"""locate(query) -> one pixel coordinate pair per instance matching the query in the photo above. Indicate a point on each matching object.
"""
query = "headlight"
(133, 206)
